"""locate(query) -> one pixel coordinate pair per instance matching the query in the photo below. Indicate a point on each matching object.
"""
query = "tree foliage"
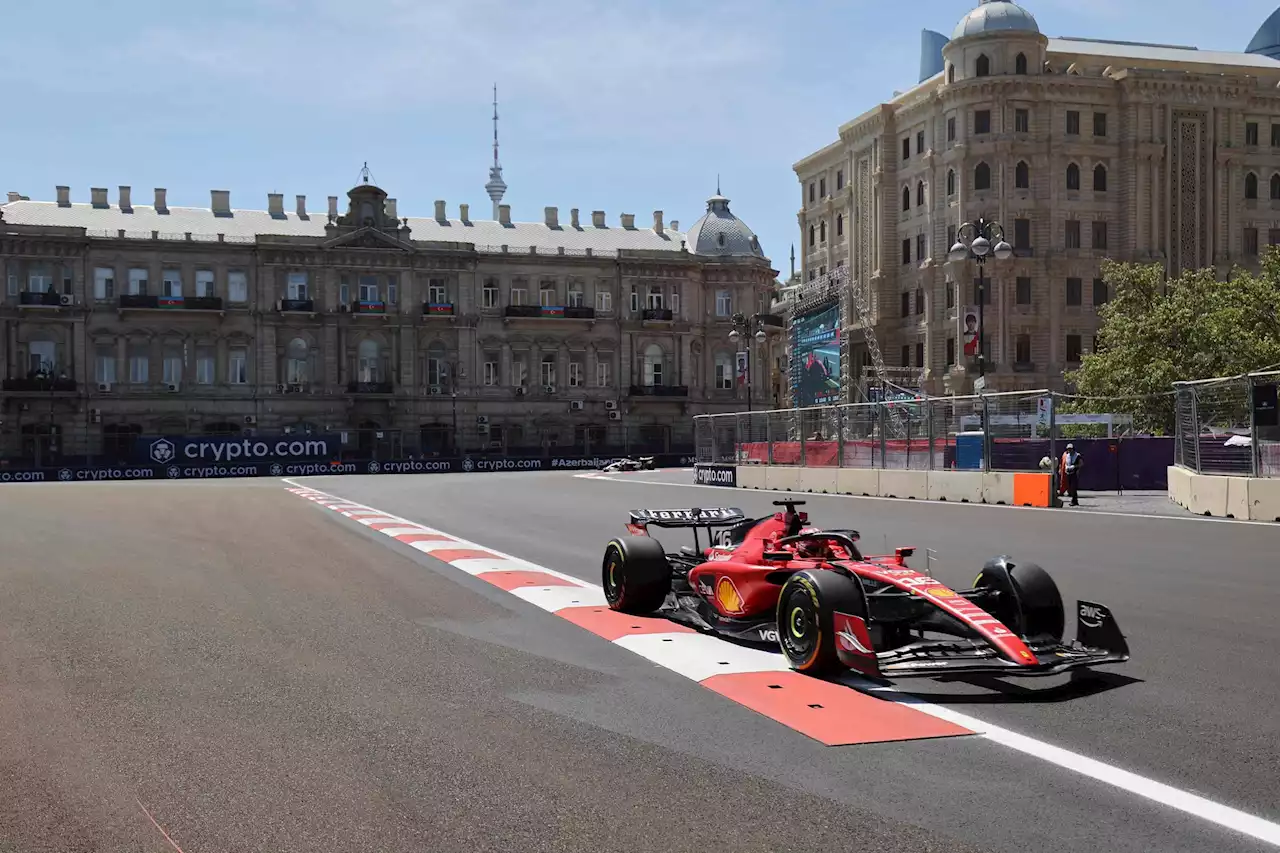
(1157, 331)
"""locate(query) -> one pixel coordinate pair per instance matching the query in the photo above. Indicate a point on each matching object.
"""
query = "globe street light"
(974, 241)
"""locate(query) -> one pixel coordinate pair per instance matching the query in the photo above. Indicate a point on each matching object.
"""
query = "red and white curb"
(833, 714)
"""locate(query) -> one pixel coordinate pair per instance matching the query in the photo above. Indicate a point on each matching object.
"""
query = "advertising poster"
(815, 358)
(969, 331)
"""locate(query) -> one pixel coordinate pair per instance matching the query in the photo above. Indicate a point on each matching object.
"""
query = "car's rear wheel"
(636, 575)
(1029, 603)
(807, 606)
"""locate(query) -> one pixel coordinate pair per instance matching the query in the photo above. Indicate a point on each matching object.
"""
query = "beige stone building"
(412, 335)
(1081, 149)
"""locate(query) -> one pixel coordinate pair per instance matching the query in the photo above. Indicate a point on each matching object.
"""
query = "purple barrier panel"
(1135, 463)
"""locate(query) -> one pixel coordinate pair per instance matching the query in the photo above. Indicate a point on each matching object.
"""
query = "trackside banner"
(220, 449)
(180, 466)
(714, 474)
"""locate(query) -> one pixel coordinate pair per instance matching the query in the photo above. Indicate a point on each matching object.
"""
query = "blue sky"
(626, 107)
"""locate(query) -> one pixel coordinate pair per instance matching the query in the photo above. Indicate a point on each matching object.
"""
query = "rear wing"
(696, 517)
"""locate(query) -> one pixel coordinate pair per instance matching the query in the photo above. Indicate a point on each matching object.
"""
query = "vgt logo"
(161, 451)
(1091, 615)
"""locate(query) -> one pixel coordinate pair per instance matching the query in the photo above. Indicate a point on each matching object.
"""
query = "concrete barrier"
(752, 477)
(821, 481)
(1264, 499)
(784, 478)
(1245, 498)
(957, 486)
(904, 484)
(1208, 495)
(1032, 489)
(997, 488)
(1179, 485)
(858, 481)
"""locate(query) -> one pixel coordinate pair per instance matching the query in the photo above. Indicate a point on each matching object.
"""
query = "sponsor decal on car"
(768, 635)
(728, 597)
(941, 592)
(1092, 615)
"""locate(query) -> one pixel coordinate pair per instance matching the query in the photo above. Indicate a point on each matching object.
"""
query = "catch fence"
(1228, 426)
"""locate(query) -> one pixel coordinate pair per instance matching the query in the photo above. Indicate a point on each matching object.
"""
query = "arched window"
(1275, 187)
(724, 371)
(369, 361)
(1022, 175)
(813, 236)
(906, 198)
(951, 182)
(840, 223)
(297, 364)
(919, 300)
(1251, 185)
(920, 194)
(1099, 178)
(437, 365)
(1020, 64)
(982, 177)
(1073, 177)
(653, 366)
(951, 74)
(822, 229)
(984, 66)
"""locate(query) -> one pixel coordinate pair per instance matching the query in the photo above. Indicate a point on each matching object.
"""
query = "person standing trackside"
(1069, 474)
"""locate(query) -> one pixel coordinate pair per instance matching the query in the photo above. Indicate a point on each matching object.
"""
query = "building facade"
(1081, 149)
(432, 336)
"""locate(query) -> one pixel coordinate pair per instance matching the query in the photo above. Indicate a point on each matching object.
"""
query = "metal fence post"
(928, 420)
(986, 434)
(1053, 450)
(881, 415)
(840, 436)
(1255, 446)
(800, 429)
(768, 438)
(1195, 427)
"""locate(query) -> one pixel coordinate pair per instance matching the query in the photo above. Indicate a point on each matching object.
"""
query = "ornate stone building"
(1081, 149)
(427, 335)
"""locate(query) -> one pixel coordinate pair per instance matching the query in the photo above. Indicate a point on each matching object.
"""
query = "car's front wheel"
(807, 606)
(1029, 601)
(636, 575)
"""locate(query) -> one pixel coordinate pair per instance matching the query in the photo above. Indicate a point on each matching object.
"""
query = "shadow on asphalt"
(1079, 685)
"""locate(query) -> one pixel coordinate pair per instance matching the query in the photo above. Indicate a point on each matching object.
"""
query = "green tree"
(1157, 331)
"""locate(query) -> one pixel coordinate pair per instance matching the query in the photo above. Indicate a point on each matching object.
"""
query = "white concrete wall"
(1254, 499)
(957, 486)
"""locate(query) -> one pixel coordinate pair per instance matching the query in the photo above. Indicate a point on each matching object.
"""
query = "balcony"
(371, 388)
(437, 309)
(40, 385)
(361, 306)
(297, 306)
(203, 303)
(663, 315)
(139, 300)
(44, 299)
(659, 390)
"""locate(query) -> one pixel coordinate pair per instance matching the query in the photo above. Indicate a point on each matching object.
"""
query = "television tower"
(496, 187)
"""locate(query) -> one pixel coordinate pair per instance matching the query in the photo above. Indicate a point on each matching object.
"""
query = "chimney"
(629, 221)
(657, 221)
(552, 217)
(126, 198)
(573, 218)
(391, 210)
(275, 204)
(333, 207)
(98, 196)
(464, 213)
(675, 225)
(597, 218)
(302, 206)
(504, 214)
(162, 206)
(64, 197)
(221, 202)
(441, 215)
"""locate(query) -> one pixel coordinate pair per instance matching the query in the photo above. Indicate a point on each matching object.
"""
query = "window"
(171, 366)
(919, 300)
(1251, 133)
(653, 366)
(724, 303)
(369, 290)
(604, 301)
(139, 365)
(206, 359)
(654, 300)
(104, 283)
(1022, 290)
(813, 236)
(635, 300)
(920, 142)
(905, 298)
(905, 358)
(1099, 178)
(951, 294)
(982, 121)
(1022, 349)
(368, 361)
(297, 362)
(1022, 176)
(205, 284)
(822, 188)
(489, 294)
(1099, 234)
(547, 371)
(919, 193)
(951, 74)
(813, 193)
(921, 251)
(1022, 234)
(1275, 136)
(1073, 123)
(674, 303)
(1020, 64)
(489, 369)
(840, 223)
(68, 281)
(906, 198)
(547, 296)
(839, 180)
(437, 365)
(1275, 187)
(602, 369)
(920, 354)
(1099, 124)
(436, 291)
(238, 365)
(1273, 236)
(1073, 291)
(982, 177)
(171, 283)
(39, 280)
(104, 365)
(1101, 295)
(297, 285)
(906, 149)
(237, 287)
(518, 294)
(1022, 121)
(822, 230)
(906, 251)
(724, 371)
(1073, 349)
(1251, 186)
(1073, 234)
(1251, 241)
(951, 236)
(951, 129)
(519, 370)
(951, 351)
(1073, 177)
(577, 298)
(983, 68)
(137, 282)
(951, 182)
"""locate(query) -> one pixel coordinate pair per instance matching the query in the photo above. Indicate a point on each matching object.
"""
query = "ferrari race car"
(644, 463)
(775, 581)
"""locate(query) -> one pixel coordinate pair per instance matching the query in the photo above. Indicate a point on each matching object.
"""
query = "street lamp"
(974, 241)
(740, 333)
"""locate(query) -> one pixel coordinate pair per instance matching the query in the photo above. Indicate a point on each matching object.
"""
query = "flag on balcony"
(439, 308)
(170, 301)
(552, 311)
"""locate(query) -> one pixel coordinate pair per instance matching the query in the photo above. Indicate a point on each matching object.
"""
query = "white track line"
(650, 646)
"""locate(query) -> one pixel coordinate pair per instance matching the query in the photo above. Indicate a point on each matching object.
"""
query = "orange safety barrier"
(1032, 489)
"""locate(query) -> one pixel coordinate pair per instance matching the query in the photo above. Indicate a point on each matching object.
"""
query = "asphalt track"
(260, 674)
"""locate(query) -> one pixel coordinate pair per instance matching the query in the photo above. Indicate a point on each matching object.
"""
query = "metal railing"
(1226, 426)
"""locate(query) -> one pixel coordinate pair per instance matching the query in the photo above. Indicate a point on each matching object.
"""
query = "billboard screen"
(815, 358)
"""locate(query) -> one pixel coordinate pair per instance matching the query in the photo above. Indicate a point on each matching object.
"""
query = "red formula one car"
(778, 582)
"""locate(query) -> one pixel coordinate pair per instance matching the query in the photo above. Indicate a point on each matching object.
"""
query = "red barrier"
(826, 454)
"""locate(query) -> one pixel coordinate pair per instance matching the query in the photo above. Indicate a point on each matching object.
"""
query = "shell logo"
(942, 592)
(727, 596)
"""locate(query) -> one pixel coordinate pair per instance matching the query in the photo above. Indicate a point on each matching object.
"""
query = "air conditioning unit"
(66, 300)
(95, 416)
(550, 389)
(435, 390)
(615, 416)
(296, 388)
(520, 391)
(495, 445)
(104, 387)
(611, 405)
(173, 387)
(482, 420)
(344, 308)
(282, 389)
(250, 419)
(575, 406)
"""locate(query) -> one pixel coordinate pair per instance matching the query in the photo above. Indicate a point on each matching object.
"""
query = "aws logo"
(728, 598)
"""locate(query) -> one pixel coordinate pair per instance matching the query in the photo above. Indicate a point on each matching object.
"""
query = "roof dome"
(721, 234)
(996, 16)
(1266, 41)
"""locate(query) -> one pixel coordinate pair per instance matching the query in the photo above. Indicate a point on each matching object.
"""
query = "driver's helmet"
(813, 549)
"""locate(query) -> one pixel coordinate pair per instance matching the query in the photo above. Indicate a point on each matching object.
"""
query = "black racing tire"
(806, 607)
(636, 575)
(1031, 604)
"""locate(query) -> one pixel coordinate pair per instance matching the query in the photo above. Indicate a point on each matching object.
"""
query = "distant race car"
(644, 463)
(778, 582)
